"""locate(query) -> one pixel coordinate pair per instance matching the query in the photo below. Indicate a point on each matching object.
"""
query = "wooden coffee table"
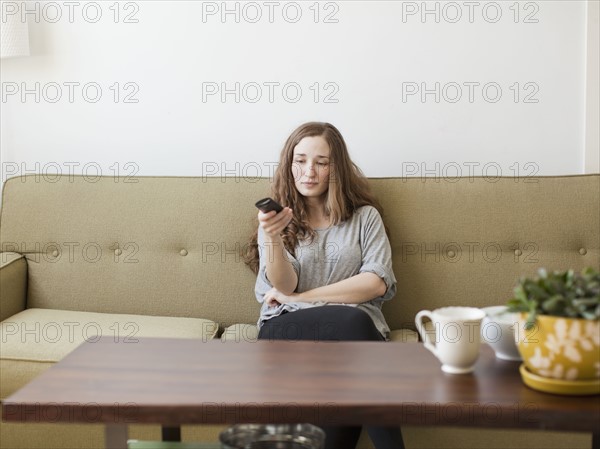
(174, 381)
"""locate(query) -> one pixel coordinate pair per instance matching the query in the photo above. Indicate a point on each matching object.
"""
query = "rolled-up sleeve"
(263, 285)
(376, 250)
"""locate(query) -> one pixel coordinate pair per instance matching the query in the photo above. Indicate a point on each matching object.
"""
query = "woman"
(323, 263)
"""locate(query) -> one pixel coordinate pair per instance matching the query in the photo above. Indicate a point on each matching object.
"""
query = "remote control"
(268, 204)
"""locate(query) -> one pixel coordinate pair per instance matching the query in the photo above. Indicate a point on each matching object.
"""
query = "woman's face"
(310, 166)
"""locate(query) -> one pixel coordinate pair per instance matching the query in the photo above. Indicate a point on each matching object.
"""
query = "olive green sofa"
(160, 256)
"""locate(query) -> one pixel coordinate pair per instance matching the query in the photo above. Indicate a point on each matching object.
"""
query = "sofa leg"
(116, 436)
(171, 433)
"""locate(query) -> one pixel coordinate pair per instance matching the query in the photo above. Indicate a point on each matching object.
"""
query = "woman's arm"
(279, 270)
(355, 290)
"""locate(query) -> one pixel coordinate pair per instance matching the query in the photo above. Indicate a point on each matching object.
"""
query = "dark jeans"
(334, 323)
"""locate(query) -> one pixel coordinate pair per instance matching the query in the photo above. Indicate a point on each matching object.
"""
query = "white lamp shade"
(14, 36)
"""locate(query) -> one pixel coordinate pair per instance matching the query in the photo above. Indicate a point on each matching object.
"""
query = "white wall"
(372, 55)
(592, 140)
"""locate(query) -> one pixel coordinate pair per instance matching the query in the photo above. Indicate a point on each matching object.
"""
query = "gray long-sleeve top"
(355, 246)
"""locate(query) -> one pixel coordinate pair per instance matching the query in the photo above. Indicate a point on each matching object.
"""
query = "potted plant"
(559, 328)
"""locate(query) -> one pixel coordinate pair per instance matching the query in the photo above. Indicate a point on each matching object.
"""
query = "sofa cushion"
(404, 335)
(240, 332)
(35, 339)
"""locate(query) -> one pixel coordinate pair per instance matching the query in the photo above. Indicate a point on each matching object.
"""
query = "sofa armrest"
(13, 284)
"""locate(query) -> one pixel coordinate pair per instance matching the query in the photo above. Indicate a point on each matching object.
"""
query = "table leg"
(116, 436)
(595, 440)
(171, 433)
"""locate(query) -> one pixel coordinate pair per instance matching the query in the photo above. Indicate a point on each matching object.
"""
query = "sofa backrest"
(171, 245)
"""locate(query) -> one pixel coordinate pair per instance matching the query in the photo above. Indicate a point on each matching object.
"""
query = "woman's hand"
(279, 268)
(273, 223)
(274, 297)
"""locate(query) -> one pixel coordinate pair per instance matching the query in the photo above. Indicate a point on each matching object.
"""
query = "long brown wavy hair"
(348, 189)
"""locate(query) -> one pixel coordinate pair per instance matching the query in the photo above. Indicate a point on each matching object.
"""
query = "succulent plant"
(560, 293)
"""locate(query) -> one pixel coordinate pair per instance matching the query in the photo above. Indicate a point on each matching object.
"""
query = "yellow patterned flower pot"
(561, 348)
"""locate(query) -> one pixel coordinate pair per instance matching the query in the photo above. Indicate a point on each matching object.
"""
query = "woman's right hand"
(274, 223)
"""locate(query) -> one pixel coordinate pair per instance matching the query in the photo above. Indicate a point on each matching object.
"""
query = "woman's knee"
(288, 326)
(353, 315)
(336, 323)
(351, 323)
